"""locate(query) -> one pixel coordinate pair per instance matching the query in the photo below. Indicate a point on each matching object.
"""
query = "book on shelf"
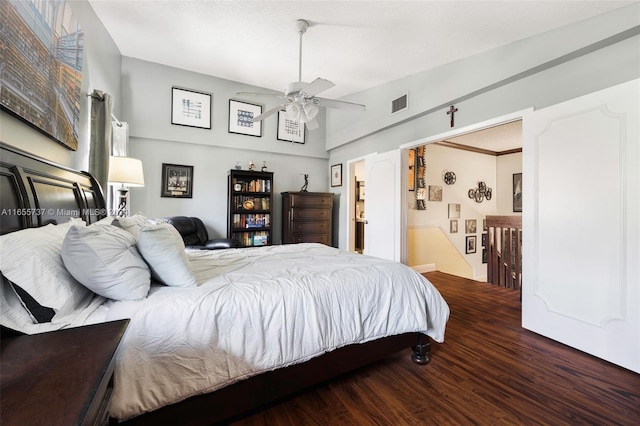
(260, 239)
(260, 220)
(253, 185)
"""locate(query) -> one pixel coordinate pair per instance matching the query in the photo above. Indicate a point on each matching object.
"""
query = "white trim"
(504, 119)
(429, 267)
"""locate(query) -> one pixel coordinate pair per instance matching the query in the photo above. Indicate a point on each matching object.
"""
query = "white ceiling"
(356, 44)
(497, 139)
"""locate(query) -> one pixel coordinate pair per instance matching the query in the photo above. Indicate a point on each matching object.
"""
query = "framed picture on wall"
(190, 108)
(336, 175)
(470, 244)
(517, 192)
(360, 186)
(177, 181)
(41, 68)
(470, 226)
(411, 177)
(289, 130)
(453, 226)
(454, 211)
(435, 193)
(240, 116)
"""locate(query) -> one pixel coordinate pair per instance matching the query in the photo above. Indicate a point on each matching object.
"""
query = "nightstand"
(62, 377)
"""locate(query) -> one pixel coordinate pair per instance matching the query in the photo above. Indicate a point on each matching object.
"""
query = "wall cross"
(452, 111)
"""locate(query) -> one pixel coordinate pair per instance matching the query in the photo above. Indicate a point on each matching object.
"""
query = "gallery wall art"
(41, 76)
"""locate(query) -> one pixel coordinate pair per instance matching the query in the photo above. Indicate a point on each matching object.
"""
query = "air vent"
(400, 104)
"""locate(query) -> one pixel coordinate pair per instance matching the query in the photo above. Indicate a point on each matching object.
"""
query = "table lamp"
(127, 172)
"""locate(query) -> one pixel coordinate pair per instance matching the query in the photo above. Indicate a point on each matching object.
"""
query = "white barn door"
(382, 229)
(581, 223)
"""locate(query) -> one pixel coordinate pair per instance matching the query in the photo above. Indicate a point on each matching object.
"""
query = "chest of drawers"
(307, 217)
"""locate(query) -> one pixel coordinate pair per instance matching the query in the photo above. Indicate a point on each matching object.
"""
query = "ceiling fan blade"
(312, 124)
(268, 113)
(316, 86)
(332, 103)
(271, 95)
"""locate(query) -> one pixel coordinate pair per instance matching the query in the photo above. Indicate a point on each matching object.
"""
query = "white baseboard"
(429, 267)
(481, 278)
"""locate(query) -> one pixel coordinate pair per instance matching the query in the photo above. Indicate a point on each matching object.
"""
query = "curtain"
(100, 142)
(119, 148)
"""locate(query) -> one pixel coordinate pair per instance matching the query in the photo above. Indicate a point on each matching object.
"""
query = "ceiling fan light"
(311, 111)
(293, 111)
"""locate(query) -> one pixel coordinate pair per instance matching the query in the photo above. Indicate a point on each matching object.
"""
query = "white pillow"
(162, 248)
(104, 259)
(31, 258)
(132, 224)
(105, 221)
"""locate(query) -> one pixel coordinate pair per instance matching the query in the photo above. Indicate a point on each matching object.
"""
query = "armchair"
(195, 235)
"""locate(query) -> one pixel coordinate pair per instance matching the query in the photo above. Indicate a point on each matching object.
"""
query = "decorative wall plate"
(449, 178)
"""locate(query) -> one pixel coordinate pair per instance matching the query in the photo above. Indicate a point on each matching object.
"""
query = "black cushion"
(37, 312)
(195, 235)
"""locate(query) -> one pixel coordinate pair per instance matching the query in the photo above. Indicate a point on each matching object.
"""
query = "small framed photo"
(470, 226)
(470, 244)
(517, 192)
(484, 255)
(454, 211)
(484, 239)
(411, 178)
(190, 108)
(453, 226)
(435, 193)
(177, 181)
(360, 187)
(289, 130)
(240, 116)
(336, 175)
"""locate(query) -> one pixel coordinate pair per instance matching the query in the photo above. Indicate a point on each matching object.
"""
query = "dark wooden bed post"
(420, 352)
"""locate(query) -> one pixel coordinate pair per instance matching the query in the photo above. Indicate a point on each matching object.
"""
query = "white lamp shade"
(293, 111)
(311, 111)
(126, 171)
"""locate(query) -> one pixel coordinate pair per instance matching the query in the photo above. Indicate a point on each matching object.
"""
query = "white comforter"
(259, 309)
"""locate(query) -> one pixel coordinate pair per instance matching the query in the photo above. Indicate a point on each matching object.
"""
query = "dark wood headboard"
(36, 192)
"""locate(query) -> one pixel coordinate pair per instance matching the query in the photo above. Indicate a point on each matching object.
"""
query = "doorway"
(450, 233)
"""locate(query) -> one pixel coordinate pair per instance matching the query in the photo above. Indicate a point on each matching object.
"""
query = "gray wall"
(146, 102)
(534, 73)
(100, 70)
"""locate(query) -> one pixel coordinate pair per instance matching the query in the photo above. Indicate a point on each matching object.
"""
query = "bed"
(187, 358)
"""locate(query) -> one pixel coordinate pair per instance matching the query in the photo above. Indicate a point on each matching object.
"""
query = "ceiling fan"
(300, 100)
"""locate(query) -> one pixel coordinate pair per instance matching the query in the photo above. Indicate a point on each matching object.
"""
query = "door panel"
(383, 205)
(581, 224)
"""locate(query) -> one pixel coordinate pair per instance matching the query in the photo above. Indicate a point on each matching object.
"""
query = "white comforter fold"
(259, 309)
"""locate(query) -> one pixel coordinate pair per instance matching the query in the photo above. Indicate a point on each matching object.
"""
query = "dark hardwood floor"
(489, 371)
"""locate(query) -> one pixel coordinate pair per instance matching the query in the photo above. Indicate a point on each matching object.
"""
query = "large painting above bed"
(40, 84)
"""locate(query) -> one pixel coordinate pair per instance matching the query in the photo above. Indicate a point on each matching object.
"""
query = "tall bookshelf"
(250, 200)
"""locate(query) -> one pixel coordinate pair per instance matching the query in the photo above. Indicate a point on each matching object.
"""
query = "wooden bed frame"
(35, 192)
